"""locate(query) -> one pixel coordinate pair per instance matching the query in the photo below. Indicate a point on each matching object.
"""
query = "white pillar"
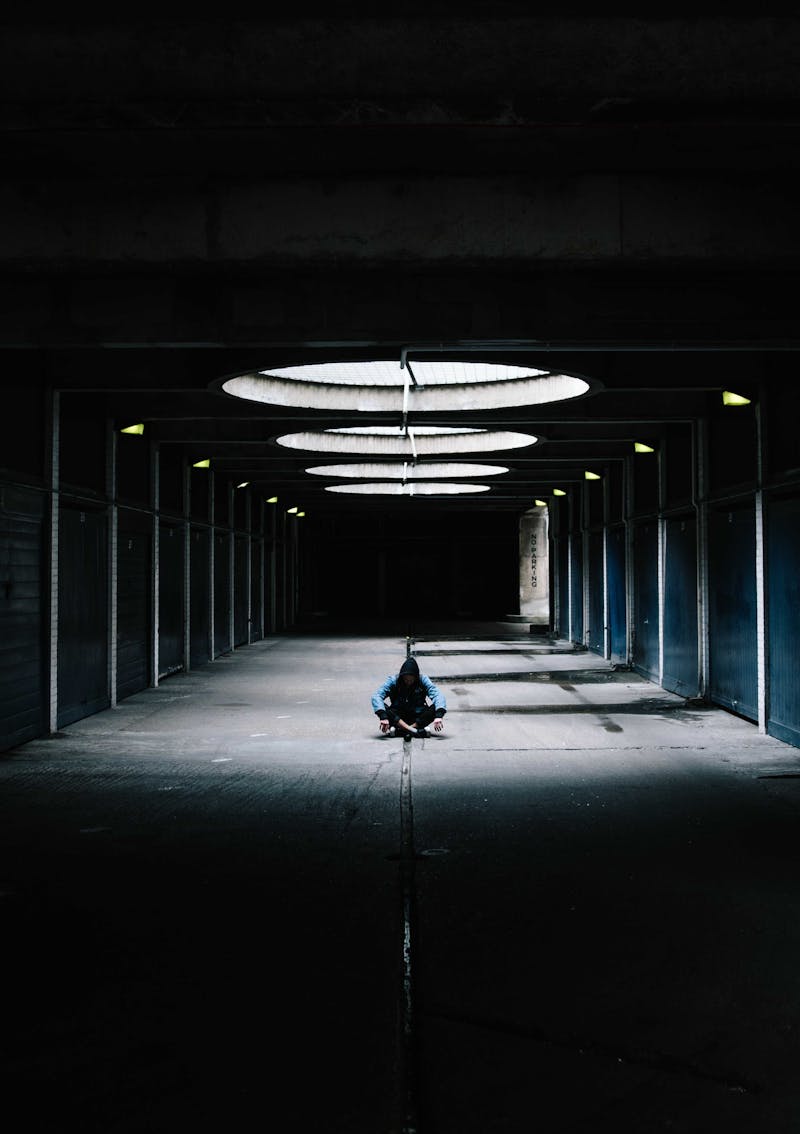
(534, 566)
(55, 455)
(155, 562)
(113, 518)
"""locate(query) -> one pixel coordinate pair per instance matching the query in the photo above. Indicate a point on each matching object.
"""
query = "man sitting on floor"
(413, 702)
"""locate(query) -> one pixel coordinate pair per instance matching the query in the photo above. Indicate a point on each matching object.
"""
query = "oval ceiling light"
(406, 471)
(391, 441)
(382, 386)
(417, 488)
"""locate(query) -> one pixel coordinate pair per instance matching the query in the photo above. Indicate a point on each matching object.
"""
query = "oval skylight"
(416, 488)
(383, 386)
(389, 441)
(405, 470)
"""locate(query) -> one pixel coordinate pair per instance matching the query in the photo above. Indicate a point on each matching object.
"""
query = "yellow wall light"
(640, 447)
(559, 492)
(204, 464)
(731, 399)
(540, 503)
(272, 500)
(291, 511)
(244, 484)
(299, 514)
(592, 475)
(137, 429)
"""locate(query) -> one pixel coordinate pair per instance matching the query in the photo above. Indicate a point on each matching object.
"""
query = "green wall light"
(731, 399)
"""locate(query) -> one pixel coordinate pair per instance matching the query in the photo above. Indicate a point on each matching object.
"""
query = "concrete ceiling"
(608, 196)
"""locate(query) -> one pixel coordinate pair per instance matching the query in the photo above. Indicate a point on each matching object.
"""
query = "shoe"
(423, 734)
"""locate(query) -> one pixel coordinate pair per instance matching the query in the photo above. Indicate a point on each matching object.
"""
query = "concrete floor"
(204, 889)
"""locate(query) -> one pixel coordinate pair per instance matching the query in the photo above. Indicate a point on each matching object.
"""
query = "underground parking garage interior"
(329, 340)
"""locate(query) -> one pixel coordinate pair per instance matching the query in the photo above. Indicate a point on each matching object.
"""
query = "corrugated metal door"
(615, 567)
(733, 680)
(783, 558)
(170, 599)
(576, 589)
(133, 611)
(222, 594)
(645, 583)
(82, 614)
(199, 597)
(240, 591)
(256, 590)
(562, 562)
(596, 594)
(22, 696)
(681, 671)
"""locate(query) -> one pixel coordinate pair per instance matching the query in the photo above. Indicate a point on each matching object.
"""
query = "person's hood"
(410, 666)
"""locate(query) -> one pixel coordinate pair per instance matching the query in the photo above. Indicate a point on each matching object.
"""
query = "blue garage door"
(615, 567)
(576, 588)
(22, 690)
(645, 582)
(681, 670)
(783, 558)
(733, 680)
(596, 640)
(82, 614)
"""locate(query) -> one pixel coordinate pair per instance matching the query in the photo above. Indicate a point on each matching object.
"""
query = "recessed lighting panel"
(391, 441)
(404, 470)
(416, 488)
(382, 385)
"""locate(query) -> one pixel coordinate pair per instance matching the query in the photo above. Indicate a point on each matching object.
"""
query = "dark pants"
(406, 713)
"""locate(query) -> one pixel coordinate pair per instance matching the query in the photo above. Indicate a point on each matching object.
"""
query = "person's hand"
(384, 725)
(438, 724)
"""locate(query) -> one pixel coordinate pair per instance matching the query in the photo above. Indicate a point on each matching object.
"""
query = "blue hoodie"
(400, 694)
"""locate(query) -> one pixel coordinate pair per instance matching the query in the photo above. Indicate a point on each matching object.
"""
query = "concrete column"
(700, 447)
(762, 608)
(586, 581)
(248, 515)
(662, 556)
(231, 566)
(54, 455)
(155, 561)
(187, 573)
(212, 540)
(534, 566)
(606, 626)
(113, 567)
(630, 590)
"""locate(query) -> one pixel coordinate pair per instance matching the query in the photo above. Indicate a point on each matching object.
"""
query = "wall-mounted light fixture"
(731, 399)
(640, 447)
(244, 484)
(136, 429)
(559, 492)
(292, 511)
(299, 514)
(271, 500)
(592, 475)
(205, 464)
(540, 503)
